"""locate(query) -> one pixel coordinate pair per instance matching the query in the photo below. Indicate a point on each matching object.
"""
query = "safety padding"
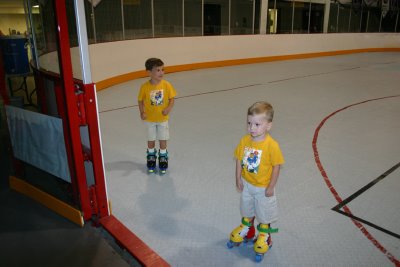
(47, 200)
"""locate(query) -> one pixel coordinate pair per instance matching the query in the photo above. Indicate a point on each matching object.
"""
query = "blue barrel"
(15, 54)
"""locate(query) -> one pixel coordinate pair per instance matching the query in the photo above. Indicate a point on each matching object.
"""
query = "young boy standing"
(156, 100)
(258, 160)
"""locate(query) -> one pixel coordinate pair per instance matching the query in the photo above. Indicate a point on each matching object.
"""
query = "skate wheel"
(150, 170)
(230, 244)
(259, 257)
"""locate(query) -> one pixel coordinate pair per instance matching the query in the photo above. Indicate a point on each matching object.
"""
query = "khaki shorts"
(253, 202)
(157, 131)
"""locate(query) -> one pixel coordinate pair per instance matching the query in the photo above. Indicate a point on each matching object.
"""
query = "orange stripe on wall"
(224, 63)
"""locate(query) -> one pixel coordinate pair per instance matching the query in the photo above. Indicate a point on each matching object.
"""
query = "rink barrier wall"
(112, 63)
(178, 68)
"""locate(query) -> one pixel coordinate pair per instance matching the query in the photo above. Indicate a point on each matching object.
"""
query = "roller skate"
(151, 161)
(242, 234)
(163, 162)
(264, 241)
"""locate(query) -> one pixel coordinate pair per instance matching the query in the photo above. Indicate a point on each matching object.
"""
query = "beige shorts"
(253, 202)
(157, 131)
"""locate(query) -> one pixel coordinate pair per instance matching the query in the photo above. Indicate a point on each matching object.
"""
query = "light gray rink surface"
(186, 216)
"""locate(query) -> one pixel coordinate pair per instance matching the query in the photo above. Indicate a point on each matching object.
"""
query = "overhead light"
(36, 6)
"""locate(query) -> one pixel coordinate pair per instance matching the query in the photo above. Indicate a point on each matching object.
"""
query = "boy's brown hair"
(153, 62)
(262, 107)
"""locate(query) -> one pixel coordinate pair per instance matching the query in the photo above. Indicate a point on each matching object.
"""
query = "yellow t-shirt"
(156, 99)
(258, 158)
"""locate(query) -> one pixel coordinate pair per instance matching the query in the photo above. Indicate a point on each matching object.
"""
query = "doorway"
(212, 19)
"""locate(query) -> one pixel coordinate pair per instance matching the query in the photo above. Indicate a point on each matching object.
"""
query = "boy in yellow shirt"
(156, 99)
(258, 160)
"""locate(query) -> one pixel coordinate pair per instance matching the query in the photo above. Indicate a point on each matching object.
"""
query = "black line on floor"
(186, 96)
(311, 75)
(368, 223)
(338, 207)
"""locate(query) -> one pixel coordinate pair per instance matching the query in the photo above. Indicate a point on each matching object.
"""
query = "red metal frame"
(64, 58)
(76, 105)
(81, 109)
(96, 153)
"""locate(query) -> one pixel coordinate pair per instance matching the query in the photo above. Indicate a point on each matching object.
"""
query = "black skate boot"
(151, 161)
(163, 162)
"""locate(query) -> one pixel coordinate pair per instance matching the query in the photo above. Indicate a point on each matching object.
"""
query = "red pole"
(64, 57)
(96, 153)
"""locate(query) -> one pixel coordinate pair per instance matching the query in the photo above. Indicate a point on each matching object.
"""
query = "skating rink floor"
(337, 120)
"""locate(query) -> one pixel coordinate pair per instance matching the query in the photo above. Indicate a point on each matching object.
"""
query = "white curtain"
(38, 139)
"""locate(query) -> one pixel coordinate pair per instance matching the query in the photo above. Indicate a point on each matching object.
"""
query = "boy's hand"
(269, 192)
(239, 185)
(166, 111)
(143, 115)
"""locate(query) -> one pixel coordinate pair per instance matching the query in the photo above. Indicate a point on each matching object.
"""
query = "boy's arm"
(239, 182)
(141, 109)
(269, 191)
(168, 109)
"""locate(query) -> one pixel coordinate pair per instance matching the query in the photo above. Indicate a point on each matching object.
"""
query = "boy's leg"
(247, 202)
(151, 143)
(247, 207)
(245, 231)
(163, 136)
(266, 212)
(163, 144)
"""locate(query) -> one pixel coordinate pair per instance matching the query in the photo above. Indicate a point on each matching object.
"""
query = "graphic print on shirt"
(156, 97)
(251, 159)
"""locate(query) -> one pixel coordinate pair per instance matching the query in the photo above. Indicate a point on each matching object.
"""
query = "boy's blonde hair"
(262, 107)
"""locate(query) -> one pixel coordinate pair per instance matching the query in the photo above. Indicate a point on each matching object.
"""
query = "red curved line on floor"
(391, 257)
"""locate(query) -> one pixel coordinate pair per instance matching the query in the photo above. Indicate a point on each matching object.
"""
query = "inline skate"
(151, 161)
(163, 162)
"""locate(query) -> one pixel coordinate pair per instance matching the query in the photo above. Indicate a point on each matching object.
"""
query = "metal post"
(123, 19)
(348, 28)
(202, 17)
(33, 49)
(93, 17)
(83, 41)
(293, 6)
(337, 18)
(152, 17)
(362, 11)
(254, 15)
(229, 17)
(309, 17)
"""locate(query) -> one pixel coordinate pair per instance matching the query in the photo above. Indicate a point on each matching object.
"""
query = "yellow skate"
(244, 232)
(263, 242)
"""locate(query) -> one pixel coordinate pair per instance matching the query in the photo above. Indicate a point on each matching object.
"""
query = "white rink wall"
(112, 59)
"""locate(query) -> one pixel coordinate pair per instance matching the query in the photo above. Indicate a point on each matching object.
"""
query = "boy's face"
(258, 126)
(156, 74)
